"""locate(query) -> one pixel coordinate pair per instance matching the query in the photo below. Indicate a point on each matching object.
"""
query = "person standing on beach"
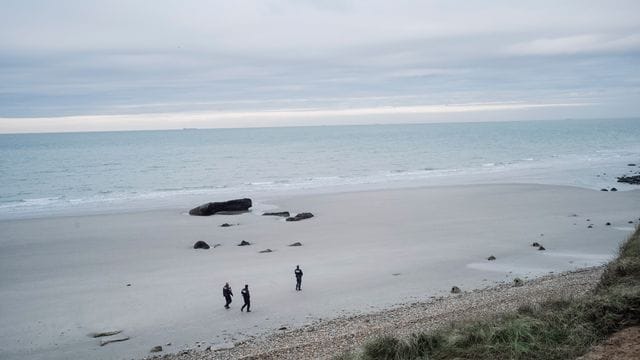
(298, 273)
(227, 293)
(247, 298)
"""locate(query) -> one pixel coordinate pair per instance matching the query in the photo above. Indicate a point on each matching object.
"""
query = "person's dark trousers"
(228, 298)
(247, 304)
(299, 284)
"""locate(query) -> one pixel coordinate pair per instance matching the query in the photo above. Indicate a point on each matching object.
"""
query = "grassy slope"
(557, 329)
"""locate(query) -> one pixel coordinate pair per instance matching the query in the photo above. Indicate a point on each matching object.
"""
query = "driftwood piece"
(105, 342)
(105, 333)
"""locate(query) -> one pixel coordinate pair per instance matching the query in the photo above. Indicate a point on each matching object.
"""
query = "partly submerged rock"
(608, 224)
(226, 225)
(300, 216)
(201, 245)
(517, 282)
(536, 244)
(455, 290)
(296, 244)
(491, 258)
(211, 208)
(280, 213)
(541, 248)
(265, 251)
(244, 243)
(156, 349)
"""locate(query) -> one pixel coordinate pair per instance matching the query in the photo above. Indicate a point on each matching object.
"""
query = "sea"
(58, 174)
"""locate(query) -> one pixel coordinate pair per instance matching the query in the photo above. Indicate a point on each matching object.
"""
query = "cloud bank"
(77, 58)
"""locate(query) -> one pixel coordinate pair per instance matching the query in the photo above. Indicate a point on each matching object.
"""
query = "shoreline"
(363, 252)
(328, 338)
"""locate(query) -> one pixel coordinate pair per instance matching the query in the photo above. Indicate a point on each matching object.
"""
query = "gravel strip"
(329, 338)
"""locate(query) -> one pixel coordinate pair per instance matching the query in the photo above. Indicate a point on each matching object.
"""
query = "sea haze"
(70, 173)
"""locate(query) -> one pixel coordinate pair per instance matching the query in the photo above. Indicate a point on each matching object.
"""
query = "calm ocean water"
(67, 173)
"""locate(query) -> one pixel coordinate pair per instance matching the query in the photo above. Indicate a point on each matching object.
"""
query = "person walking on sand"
(227, 293)
(247, 298)
(298, 273)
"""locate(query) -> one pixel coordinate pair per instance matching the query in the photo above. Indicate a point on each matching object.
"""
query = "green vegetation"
(556, 329)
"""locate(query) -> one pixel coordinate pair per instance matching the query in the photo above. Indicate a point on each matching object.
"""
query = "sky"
(69, 65)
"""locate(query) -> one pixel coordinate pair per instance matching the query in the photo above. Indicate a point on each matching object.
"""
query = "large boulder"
(216, 207)
(300, 216)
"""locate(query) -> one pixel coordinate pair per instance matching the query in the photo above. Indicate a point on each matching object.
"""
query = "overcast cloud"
(538, 59)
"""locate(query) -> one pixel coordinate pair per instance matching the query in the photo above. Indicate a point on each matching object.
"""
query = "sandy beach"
(64, 278)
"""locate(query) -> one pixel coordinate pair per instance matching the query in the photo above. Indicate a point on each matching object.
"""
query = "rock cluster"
(634, 180)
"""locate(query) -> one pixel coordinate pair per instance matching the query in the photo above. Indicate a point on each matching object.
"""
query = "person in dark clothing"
(298, 273)
(227, 293)
(247, 298)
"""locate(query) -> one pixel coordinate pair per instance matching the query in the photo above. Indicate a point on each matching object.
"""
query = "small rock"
(300, 216)
(265, 251)
(491, 258)
(590, 226)
(128, 284)
(536, 244)
(614, 189)
(295, 244)
(280, 213)
(244, 243)
(156, 349)
(541, 248)
(201, 245)
(631, 164)
(225, 225)
(630, 222)
(455, 290)
(604, 190)
(517, 282)
(283, 328)
(608, 224)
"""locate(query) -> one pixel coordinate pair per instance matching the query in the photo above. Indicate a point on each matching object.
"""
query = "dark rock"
(536, 244)
(634, 180)
(201, 245)
(128, 284)
(631, 164)
(455, 290)
(491, 258)
(156, 349)
(541, 248)
(608, 224)
(590, 227)
(226, 206)
(225, 225)
(281, 213)
(614, 189)
(265, 251)
(517, 282)
(630, 222)
(300, 216)
(295, 244)
(604, 190)
(244, 243)
(283, 328)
